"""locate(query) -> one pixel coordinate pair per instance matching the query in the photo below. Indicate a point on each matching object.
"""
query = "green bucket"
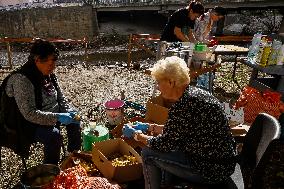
(200, 47)
(89, 137)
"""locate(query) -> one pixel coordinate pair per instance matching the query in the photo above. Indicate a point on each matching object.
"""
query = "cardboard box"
(121, 174)
(156, 112)
(234, 116)
(240, 130)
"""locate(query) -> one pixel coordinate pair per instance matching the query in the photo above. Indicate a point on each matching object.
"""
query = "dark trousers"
(51, 138)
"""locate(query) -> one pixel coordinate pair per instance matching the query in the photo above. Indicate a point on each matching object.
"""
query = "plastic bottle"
(260, 52)
(254, 48)
(280, 58)
(275, 51)
(265, 54)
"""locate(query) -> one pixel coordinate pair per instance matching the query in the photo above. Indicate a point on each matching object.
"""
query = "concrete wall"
(12, 2)
(131, 22)
(56, 22)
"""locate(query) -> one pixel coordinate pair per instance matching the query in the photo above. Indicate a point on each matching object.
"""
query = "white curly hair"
(172, 68)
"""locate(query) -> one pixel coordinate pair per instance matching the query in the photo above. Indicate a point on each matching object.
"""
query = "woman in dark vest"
(35, 106)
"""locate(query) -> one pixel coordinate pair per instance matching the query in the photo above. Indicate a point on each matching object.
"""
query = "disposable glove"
(76, 117)
(73, 113)
(128, 131)
(65, 118)
(141, 126)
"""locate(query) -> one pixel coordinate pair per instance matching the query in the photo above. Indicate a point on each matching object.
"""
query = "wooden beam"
(129, 50)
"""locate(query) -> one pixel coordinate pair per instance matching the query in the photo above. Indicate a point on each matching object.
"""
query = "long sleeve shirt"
(198, 126)
(21, 88)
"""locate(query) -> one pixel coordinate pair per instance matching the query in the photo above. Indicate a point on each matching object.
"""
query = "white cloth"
(200, 26)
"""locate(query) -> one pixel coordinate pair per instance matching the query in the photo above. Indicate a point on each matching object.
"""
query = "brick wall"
(56, 22)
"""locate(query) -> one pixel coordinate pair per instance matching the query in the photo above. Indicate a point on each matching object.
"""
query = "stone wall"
(56, 22)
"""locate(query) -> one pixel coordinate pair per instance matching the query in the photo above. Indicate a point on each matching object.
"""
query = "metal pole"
(86, 49)
(129, 51)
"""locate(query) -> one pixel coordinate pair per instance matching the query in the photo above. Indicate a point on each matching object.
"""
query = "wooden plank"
(232, 38)
(146, 36)
(195, 73)
(28, 40)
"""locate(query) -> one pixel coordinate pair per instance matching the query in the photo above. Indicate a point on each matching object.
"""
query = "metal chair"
(269, 171)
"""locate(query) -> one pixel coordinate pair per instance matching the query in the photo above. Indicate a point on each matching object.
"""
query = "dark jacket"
(15, 131)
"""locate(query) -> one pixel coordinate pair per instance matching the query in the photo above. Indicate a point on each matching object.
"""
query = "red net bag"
(255, 102)
(76, 178)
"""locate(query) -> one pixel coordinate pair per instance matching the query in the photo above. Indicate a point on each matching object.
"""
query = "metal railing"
(17, 4)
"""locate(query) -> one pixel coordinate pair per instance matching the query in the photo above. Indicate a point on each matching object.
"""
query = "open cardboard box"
(121, 174)
(155, 113)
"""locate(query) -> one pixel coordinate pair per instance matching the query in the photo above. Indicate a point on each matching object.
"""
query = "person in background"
(34, 105)
(195, 143)
(204, 24)
(181, 24)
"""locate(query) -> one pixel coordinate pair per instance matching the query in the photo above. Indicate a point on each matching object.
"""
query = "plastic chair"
(262, 132)
(269, 171)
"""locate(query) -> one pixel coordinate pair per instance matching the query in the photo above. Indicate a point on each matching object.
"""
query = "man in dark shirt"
(181, 24)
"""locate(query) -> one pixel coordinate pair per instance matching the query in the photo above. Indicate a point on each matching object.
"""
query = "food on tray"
(88, 165)
(95, 132)
(118, 159)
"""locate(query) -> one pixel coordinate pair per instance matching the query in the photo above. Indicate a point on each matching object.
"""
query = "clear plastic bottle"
(254, 48)
(275, 51)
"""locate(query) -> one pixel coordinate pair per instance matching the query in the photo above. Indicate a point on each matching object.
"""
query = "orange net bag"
(76, 178)
(255, 102)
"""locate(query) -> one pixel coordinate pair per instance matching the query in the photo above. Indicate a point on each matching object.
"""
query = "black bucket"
(39, 176)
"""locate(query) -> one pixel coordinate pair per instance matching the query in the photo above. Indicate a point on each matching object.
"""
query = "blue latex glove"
(141, 126)
(73, 114)
(65, 118)
(128, 131)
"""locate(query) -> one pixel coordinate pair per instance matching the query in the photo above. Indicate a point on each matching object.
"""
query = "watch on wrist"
(136, 134)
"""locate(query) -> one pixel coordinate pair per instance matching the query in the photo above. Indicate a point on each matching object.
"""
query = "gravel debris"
(87, 85)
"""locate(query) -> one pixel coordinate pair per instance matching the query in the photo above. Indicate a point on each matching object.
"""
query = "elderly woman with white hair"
(195, 143)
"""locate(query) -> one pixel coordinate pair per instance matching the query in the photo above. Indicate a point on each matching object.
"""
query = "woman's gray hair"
(171, 68)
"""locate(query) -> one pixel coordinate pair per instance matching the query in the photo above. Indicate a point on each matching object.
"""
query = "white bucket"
(114, 111)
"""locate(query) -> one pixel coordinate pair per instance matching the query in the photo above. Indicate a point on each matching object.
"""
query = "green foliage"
(266, 22)
(88, 2)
